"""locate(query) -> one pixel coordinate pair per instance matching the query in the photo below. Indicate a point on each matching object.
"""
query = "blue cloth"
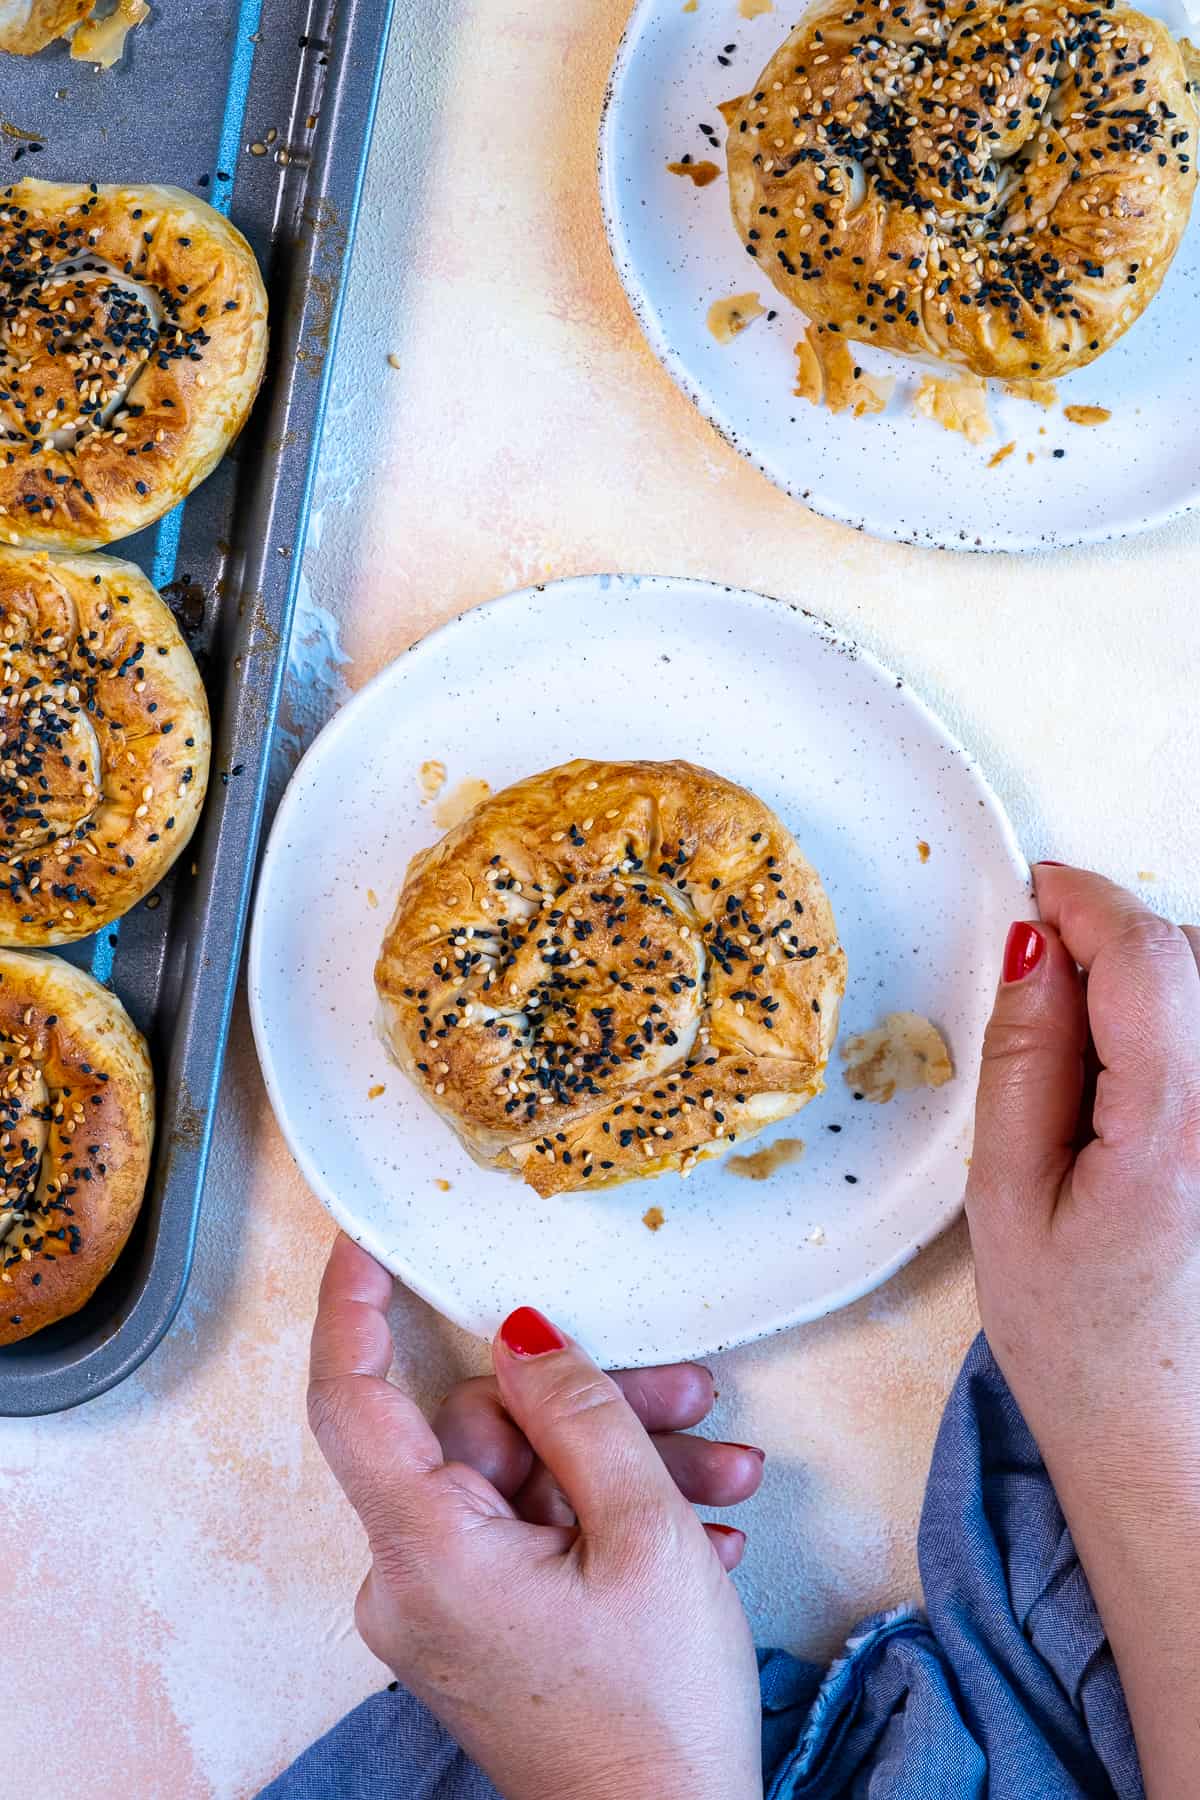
(1005, 1688)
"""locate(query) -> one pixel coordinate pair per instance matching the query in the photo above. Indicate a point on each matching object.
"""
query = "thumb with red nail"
(535, 1554)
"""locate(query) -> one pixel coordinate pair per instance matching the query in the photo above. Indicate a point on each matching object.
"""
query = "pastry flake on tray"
(27, 26)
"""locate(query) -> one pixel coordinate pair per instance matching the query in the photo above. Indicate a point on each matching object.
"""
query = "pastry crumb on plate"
(957, 403)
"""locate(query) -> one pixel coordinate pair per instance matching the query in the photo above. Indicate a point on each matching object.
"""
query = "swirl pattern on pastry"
(995, 183)
(76, 1130)
(610, 970)
(104, 743)
(133, 334)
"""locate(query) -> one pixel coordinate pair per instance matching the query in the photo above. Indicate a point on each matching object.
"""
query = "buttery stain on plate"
(432, 777)
(691, 5)
(754, 9)
(727, 319)
(460, 802)
(905, 1052)
(699, 173)
(1146, 875)
(654, 1218)
(759, 1165)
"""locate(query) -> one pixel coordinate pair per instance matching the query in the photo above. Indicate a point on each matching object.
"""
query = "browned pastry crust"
(27, 26)
(610, 970)
(76, 1129)
(104, 743)
(1001, 185)
(133, 332)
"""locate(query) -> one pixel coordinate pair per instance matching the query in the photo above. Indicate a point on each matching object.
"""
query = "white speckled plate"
(897, 475)
(861, 772)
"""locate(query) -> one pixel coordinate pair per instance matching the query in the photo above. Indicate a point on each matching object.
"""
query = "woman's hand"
(1084, 1206)
(538, 1576)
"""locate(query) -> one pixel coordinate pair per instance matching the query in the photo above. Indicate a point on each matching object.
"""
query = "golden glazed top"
(609, 969)
(1002, 186)
(132, 341)
(76, 1129)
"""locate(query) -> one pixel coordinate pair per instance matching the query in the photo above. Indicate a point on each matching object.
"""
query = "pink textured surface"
(182, 1562)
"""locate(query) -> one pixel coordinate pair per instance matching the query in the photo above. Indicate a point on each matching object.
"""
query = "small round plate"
(863, 774)
(897, 475)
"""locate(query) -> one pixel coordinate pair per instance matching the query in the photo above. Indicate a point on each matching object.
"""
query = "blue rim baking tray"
(264, 108)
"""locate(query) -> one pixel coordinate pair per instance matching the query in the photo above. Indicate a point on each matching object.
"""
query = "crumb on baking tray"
(727, 319)
(380, 1087)
(654, 1218)
(442, 1185)
(905, 1052)
(1042, 393)
(827, 375)
(753, 9)
(923, 850)
(957, 403)
(816, 1235)
(372, 897)
(1087, 415)
(102, 41)
(759, 1165)
(700, 174)
(1146, 875)
(1002, 454)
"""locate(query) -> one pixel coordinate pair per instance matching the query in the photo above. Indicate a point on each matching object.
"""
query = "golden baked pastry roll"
(1000, 186)
(133, 334)
(76, 1130)
(104, 743)
(610, 970)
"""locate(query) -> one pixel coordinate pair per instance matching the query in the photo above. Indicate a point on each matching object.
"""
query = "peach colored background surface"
(179, 1565)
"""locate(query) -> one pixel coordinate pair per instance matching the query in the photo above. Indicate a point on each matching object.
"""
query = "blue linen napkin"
(1004, 1688)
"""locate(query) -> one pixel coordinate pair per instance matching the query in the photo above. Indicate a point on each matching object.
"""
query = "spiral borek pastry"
(104, 743)
(76, 1129)
(132, 341)
(611, 970)
(1002, 186)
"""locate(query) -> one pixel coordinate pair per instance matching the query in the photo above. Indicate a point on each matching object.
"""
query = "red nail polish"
(752, 1448)
(1048, 862)
(1022, 951)
(726, 1530)
(528, 1332)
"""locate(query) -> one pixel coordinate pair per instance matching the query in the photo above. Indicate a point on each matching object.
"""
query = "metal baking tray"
(263, 107)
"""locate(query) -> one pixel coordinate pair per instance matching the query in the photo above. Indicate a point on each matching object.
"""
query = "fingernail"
(1022, 951)
(1048, 862)
(528, 1332)
(727, 1530)
(752, 1448)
